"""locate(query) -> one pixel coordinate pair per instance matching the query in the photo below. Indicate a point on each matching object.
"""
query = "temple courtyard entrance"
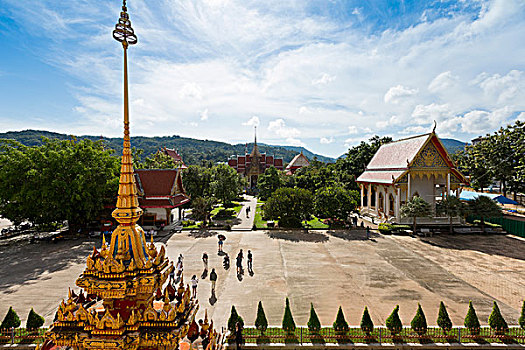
(326, 268)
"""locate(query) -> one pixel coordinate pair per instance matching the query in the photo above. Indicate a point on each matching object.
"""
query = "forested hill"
(193, 151)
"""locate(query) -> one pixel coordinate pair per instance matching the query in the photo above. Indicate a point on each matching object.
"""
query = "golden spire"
(128, 211)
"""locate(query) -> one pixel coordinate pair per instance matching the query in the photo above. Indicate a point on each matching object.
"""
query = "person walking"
(220, 243)
(213, 279)
(238, 335)
(205, 260)
(239, 263)
(250, 260)
(368, 232)
(194, 281)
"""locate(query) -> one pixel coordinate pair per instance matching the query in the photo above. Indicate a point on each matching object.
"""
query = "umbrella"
(222, 237)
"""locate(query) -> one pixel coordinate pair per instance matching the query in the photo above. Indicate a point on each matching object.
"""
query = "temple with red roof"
(297, 162)
(160, 191)
(174, 154)
(254, 164)
(415, 166)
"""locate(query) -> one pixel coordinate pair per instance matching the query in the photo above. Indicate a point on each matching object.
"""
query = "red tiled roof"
(394, 155)
(298, 161)
(155, 203)
(383, 176)
(156, 182)
(175, 156)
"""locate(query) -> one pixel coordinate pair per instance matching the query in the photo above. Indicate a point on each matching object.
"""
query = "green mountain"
(453, 146)
(193, 151)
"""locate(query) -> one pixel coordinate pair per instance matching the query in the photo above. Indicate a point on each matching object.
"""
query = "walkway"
(246, 223)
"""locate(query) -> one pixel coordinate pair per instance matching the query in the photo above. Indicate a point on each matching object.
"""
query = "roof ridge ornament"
(434, 129)
(123, 32)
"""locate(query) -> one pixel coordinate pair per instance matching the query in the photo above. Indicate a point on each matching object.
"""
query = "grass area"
(382, 335)
(260, 223)
(316, 223)
(236, 209)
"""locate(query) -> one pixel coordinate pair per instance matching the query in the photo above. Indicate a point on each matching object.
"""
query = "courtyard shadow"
(487, 244)
(354, 235)
(202, 233)
(24, 262)
(298, 236)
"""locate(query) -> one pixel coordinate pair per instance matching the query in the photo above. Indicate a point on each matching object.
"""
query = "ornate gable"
(429, 157)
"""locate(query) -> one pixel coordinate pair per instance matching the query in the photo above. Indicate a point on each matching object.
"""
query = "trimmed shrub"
(288, 322)
(521, 320)
(385, 228)
(290, 222)
(11, 319)
(34, 320)
(496, 320)
(443, 319)
(261, 323)
(367, 325)
(471, 320)
(419, 322)
(393, 322)
(234, 318)
(313, 322)
(340, 324)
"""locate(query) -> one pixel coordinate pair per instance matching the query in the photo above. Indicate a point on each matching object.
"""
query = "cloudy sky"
(325, 74)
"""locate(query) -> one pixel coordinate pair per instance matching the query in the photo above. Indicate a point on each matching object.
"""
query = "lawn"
(260, 223)
(235, 211)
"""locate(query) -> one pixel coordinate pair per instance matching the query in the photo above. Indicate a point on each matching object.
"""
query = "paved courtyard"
(327, 269)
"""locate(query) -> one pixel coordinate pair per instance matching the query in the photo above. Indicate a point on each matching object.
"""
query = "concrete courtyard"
(327, 269)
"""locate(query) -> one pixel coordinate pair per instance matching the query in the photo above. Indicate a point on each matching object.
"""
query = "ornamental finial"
(123, 32)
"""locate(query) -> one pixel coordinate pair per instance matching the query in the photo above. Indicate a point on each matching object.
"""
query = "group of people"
(249, 262)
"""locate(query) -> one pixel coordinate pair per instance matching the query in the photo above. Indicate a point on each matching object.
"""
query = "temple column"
(369, 197)
(362, 194)
(398, 204)
(377, 200)
(387, 202)
(448, 185)
(409, 190)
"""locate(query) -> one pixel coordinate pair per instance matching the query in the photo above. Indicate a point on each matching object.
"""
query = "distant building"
(415, 166)
(160, 192)
(254, 164)
(297, 162)
(174, 154)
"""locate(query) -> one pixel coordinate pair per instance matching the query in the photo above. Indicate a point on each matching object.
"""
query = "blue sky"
(325, 74)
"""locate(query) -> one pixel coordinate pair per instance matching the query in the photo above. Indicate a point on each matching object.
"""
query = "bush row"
(391, 228)
(393, 322)
(11, 319)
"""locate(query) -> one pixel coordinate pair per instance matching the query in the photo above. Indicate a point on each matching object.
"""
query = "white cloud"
(323, 80)
(396, 93)
(443, 81)
(505, 87)
(352, 129)
(425, 114)
(204, 115)
(190, 90)
(394, 120)
(279, 127)
(326, 141)
(253, 121)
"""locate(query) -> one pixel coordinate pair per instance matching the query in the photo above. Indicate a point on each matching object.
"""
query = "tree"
(34, 320)
(367, 325)
(288, 322)
(269, 182)
(335, 202)
(314, 325)
(452, 207)
(197, 181)
(496, 320)
(234, 318)
(11, 319)
(261, 323)
(471, 320)
(226, 184)
(484, 207)
(443, 320)
(393, 322)
(340, 325)
(59, 180)
(202, 207)
(290, 206)
(159, 160)
(419, 322)
(521, 320)
(414, 208)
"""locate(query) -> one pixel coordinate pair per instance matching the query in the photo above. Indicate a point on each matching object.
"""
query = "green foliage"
(158, 160)
(313, 322)
(340, 325)
(59, 180)
(419, 322)
(414, 208)
(521, 320)
(269, 182)
(451, 207)
(197, 181)
(202, 207)
(34, 320)
(443, 320)
(288, 322)
(289, 205)
(367, 325)
(11, 319)
(471, 320)
(393, 322)
(496, 320)
(385, 228)
(335, 201)
(261, 323)
(234, 318)
(226, 183)
(484, 207)
(486, 223)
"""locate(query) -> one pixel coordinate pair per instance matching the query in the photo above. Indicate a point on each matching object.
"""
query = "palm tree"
(414, 208)
(451, 206)
(484, 207)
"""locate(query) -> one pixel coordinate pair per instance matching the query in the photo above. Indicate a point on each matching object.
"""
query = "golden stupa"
(123, 281)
